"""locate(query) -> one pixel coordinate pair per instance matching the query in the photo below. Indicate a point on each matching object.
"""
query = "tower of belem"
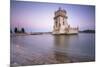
(61, 25)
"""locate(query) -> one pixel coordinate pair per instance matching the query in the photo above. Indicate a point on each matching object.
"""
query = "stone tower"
(60, 23)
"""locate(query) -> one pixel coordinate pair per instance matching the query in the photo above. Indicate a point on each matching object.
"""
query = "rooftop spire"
(59, 8)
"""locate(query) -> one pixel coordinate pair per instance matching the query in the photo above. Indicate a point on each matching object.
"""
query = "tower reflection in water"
(61, 43)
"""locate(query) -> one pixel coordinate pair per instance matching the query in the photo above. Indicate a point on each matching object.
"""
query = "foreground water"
(51, 49)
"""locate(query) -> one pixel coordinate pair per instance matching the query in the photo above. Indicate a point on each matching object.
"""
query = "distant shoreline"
(41, 33)
(87, 31)
(38, 33)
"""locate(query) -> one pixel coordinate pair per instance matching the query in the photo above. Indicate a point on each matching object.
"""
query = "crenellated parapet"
(60, 12)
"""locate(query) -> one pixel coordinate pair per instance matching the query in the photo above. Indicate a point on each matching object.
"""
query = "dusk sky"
(38, 17)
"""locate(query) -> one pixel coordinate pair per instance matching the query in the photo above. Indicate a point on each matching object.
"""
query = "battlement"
(60, 12)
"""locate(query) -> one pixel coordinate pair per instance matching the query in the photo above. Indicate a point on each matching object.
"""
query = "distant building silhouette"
(19, 31)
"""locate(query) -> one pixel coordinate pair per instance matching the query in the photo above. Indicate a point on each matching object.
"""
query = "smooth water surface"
(51, 49)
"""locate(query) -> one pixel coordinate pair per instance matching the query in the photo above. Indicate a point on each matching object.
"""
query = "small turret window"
(59, 24)
(63, 23)
(56, 24)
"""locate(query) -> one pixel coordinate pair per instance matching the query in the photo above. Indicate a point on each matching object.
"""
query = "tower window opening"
(63, 23)
(56, 24)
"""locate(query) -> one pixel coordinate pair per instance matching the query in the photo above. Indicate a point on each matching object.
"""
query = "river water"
(52, 49)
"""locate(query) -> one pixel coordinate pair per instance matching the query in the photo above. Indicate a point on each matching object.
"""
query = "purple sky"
(38, 17)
